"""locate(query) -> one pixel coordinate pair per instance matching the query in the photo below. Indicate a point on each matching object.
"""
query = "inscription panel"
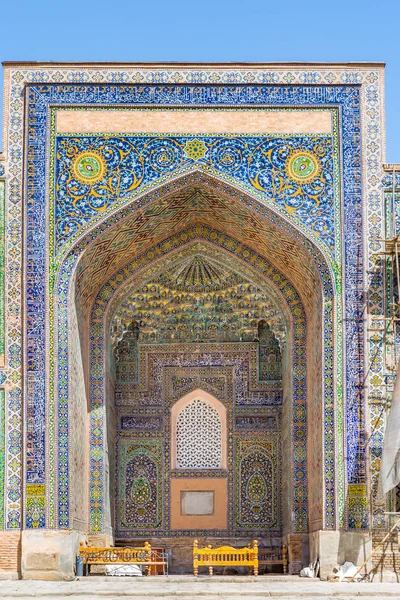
(197, 503)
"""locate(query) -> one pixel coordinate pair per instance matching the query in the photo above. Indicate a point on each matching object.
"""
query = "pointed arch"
(102, 256)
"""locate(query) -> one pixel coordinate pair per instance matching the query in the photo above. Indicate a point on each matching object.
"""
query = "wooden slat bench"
(225, 556)
(144, 556)
(273, 556)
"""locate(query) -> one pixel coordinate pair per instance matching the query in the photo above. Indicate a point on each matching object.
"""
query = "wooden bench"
(159, 562)
(225, 556)
(273, 556)
(144, 556)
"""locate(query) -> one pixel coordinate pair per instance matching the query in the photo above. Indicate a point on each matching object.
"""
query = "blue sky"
(210, 30)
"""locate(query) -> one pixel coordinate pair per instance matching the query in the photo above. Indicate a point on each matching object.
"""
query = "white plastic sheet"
(311, 571)
(346, 571)
(390, 463)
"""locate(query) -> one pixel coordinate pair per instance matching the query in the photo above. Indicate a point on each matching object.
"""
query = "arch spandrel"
(294, 174)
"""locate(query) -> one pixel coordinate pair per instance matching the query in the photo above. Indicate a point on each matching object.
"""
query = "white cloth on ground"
(124, 571)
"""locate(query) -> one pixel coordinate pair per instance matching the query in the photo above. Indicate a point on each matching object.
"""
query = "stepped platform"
(203, 587)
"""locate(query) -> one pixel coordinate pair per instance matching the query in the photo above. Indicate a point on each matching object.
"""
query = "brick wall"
(10, 554)
(387, 558)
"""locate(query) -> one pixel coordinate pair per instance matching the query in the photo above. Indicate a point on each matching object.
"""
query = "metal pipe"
(393, 228)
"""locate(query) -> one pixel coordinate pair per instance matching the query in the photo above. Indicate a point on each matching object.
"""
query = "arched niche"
(284, 296)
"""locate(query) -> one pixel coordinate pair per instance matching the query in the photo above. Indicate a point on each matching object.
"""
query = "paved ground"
(189, 588)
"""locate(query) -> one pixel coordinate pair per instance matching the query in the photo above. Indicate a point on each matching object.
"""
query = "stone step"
(225, 597)
(189, 588)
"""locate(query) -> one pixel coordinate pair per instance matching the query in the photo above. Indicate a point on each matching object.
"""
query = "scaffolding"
(391, 266)
(384, 330)
(388, 260)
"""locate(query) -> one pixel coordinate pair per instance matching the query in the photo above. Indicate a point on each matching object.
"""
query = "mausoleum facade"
(196, 334)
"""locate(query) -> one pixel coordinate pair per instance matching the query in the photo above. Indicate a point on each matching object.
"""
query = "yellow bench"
(121, 556)
(225, 556)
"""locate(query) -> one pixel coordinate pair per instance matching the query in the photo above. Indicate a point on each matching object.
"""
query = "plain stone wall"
(333, 548)
(49, 554)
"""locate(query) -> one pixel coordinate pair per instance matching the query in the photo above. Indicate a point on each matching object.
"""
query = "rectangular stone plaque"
(197, 503)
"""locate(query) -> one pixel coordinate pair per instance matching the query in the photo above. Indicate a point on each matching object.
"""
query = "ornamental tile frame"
(2, 454)
(31, 89)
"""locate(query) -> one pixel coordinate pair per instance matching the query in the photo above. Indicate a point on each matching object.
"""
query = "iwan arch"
(188, 355)
(134, 387)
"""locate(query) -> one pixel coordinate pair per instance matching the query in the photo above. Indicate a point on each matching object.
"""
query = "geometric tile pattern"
(195, 197)
(140, 481)
(2, 273)
(198, 437)
(219, 368)
(358, 505)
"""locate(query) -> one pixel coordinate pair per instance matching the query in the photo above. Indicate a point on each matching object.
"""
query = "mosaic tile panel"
(270, 359)
(126, 355)
(141, 471)
(358, 506)
(2, 272)
(13, 457)
(35, 505)
(92, 173)
(260, 422)
(177, 370)
(174, 364)
(144, 423)
(257, 482)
